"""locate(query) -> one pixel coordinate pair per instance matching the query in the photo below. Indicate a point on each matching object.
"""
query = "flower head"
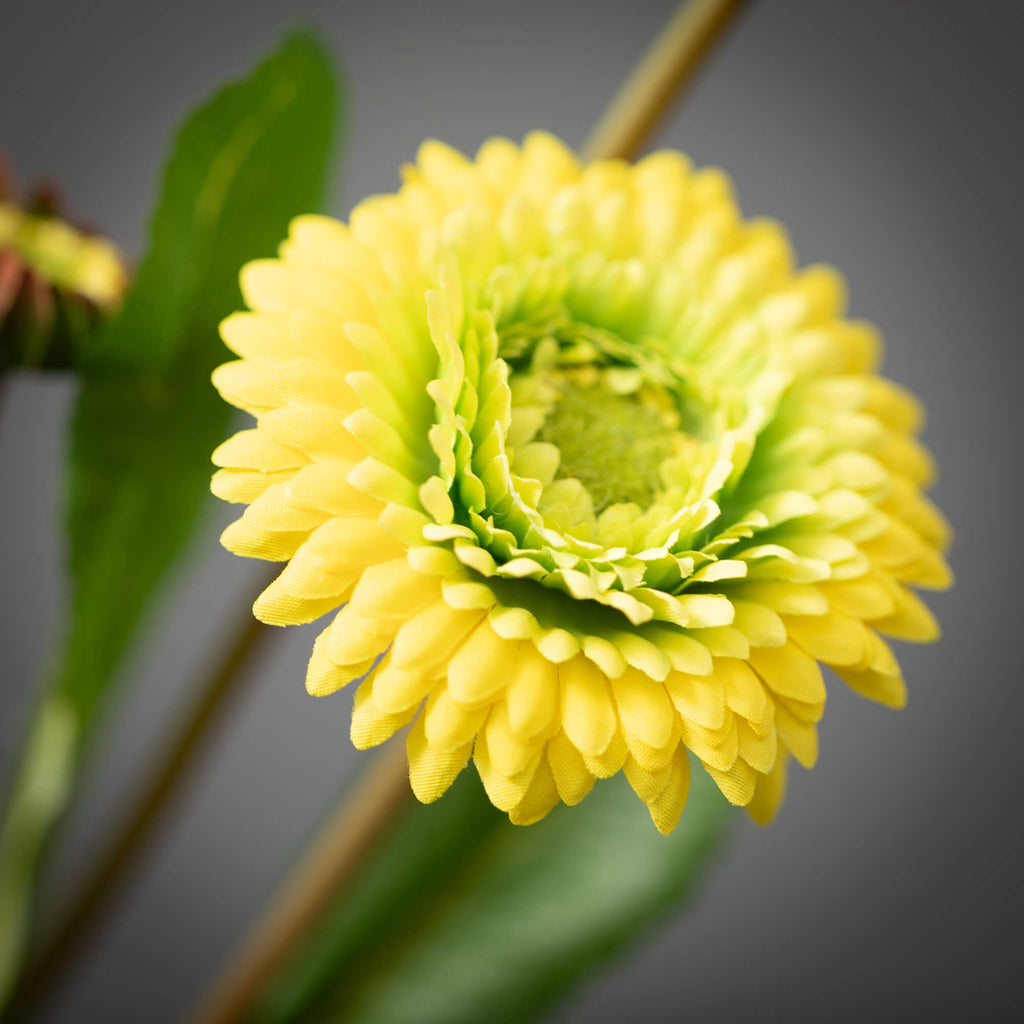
(595, 477)
(53, 278)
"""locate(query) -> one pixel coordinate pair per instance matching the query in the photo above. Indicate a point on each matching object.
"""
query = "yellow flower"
(596, 478)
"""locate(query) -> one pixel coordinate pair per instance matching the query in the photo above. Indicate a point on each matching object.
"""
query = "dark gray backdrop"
(887, 135)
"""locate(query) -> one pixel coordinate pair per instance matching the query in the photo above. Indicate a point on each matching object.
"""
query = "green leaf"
(147, 416)
(463, 917)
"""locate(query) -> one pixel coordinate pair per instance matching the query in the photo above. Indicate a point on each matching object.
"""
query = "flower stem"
(108, 876)
(332, 860)
(359, 824)
(657, 80)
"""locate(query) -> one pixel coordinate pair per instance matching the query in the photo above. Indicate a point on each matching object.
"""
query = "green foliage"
(463, 917)
(148, 417)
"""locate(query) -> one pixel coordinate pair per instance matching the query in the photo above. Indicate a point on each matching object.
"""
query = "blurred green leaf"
(463, 917)
(147, 416)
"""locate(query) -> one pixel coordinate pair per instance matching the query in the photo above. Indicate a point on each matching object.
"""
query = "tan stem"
(659, 77)
(334, 858)
(106, 880)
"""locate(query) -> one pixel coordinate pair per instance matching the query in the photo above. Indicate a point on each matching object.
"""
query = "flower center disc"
(613, 435)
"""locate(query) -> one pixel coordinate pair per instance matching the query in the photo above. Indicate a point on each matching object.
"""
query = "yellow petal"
(588, 713)
(684, 652)
(532, 694)
(240, 538)
(240, 485)
(833, 638)
(800, 737)
(769, 792)
(725, 642)
(450, 726)
(319, 434)
(758, 751)
(736, 783)
(324, 676)
(742, 690)
(716, 748)
(480, 668)
(698, 699)
(286, 601)
(788, 671)
(393, 590)
(651, 758)
(341, 546)
(429, 637)
(509, 754)
(869, 596)
(911, 619)
(250, 384)
(256, 449)
(786, 598)
(322, 240)
(644, 707)
(569, 771)
(370, 725)
(505, 791)
(541, 796)
(605, 765)
(759, 624)
(398, 689)
(667, 807)
(648, 783)
(432, 771)
(351, 639)
(260, 336)
(889, 690)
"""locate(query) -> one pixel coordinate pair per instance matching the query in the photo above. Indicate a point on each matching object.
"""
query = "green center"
(613, 441)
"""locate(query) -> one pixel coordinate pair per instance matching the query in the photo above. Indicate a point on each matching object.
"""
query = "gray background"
(887, 136)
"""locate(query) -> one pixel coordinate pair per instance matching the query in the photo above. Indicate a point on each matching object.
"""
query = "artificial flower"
(597, 480)
(55, 279)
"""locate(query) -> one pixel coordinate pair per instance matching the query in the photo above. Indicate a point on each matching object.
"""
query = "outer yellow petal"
(742, 690)
(800, 737)
(480, 668)
(532, 694)
(648, 783)
(736, 783)
(889, 690)
(370, 725)
(449, 726)
(506, 791)
(538, 799)
(396, 689)
(509, 754)
(769, 792)
(569, 771)
(429, 637)
(432, 771)
(588, 713)
(788, 671)
(668, 805)
(699, 699)
(644, 707)
(833, 638)
(608, 763)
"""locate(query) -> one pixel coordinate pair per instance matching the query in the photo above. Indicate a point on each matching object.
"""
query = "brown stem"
(657, 80)
(113, 869)
(332, 861)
